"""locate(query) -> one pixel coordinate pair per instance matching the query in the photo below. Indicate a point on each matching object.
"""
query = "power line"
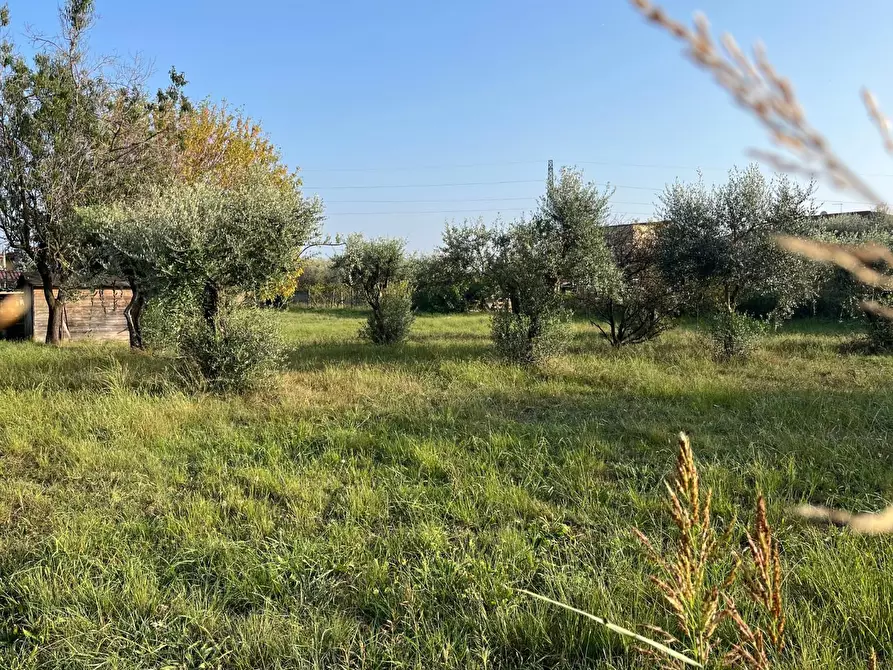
(418, 202)
(520, 181)
(410, 168)
(404, 168)
(455, 211)
(422, 202)
(470, 183)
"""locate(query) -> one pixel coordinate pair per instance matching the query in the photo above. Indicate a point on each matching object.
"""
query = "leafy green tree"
(539, 261)
(717, 246)
(379, 268)
(640, 306)
(465, 254)
(210, 243)
(433, 290)
(841, 295)
(456, 277)
(69, 137)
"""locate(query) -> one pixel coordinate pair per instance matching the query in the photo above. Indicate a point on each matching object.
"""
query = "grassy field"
(375, 507)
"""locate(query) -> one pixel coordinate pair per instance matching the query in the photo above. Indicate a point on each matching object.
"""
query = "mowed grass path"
(376, 507)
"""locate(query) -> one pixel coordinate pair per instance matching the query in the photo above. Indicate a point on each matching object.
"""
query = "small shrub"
(733, 335)
(522, 339)
(390, 323)
(236, 354)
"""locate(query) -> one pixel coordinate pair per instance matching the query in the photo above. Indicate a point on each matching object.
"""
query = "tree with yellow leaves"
(221, 145)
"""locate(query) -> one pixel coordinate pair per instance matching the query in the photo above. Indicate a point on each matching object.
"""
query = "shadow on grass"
(449, 337)
(409, 354)
(350, 313)
(82, 367)
(827, 446)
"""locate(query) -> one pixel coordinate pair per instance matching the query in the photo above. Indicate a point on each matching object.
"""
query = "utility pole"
(550, 179)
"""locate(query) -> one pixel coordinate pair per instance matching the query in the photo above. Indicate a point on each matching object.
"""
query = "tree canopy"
(224, 146)
(206, 239)
(718, 245)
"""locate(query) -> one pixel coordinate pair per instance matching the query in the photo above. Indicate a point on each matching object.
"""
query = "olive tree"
(212, 241)
(538, 261)
(379, 269)
(718, 245)
(717, 248)
(211, 246)
(640, 305)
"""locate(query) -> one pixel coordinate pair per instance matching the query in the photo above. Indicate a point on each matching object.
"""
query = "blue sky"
(404, 114)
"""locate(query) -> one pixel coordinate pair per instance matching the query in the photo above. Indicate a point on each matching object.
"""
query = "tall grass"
(381, 507)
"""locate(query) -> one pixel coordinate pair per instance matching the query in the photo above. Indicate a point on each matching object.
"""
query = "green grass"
(377, 506)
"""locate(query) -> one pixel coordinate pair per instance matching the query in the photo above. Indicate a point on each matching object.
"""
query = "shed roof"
(33, 279)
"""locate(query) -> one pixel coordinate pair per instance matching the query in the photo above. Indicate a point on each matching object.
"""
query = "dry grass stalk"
(863, 524)
(685, 579)
(762, 576)
(652, 645)
(854, 260)
(872, 660)
(750, 650)
(757, 87)
(874, 307)
(879, 118)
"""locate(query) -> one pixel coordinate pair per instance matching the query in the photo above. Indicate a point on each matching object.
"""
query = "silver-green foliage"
(201, 247)
(234, 238)
(717, 246)
(390, 324)
(640, 306)
(378, 269)
(845, 294)
(522, 339)
(540, 261)
(238, 351)
(733, 335)
(192, 238)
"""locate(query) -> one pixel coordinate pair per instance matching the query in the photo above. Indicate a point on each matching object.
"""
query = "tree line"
(711, 252)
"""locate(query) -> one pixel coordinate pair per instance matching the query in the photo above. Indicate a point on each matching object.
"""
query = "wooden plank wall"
(97, 315)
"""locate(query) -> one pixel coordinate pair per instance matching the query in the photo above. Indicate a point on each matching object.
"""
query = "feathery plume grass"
(762, 577)
(686, 580)
(750, 651)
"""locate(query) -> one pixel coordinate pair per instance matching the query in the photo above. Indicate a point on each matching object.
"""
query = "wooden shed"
(90, 313)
